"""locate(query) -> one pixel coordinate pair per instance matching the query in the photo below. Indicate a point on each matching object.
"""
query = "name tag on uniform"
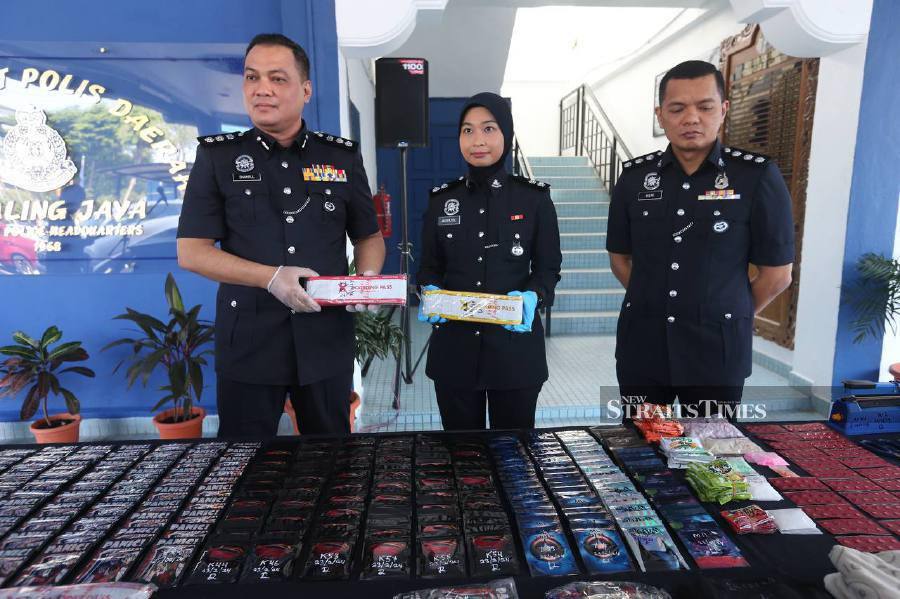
(246, 177)
(649, 195)
(719, 194)
(444, 221)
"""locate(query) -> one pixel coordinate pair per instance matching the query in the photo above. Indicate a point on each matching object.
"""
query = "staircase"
(588, 296)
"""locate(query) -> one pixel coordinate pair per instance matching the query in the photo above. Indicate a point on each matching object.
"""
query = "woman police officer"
(489, 232)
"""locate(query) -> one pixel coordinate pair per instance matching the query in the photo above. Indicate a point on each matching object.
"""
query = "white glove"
(285, 286)
(364, 307)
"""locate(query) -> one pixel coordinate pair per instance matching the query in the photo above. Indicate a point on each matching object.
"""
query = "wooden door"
(772, 105)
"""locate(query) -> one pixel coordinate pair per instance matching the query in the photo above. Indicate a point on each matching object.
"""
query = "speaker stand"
(404, 357)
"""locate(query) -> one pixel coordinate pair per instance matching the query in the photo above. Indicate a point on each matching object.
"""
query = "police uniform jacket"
(277, 206)
(687, 317)
(497, 237)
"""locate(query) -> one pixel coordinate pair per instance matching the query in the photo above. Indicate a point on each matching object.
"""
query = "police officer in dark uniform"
(489, 232)
(684, 226)
(281, 201)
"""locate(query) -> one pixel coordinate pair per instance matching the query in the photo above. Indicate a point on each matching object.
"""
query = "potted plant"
(876, 299)
(179, 347)
(36, 364)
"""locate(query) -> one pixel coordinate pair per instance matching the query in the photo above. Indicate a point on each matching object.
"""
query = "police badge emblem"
(720, 226)
(33, 155)
(329, 206)
(451, 207)
(721, 181)
(244, 163)
(517, 249)
(651, 181)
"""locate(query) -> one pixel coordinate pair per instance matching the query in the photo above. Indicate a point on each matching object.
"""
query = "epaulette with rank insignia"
(447, 185)
(531, 182)
(642, 160)
(335, 140)
(220, 138)
(745, 156)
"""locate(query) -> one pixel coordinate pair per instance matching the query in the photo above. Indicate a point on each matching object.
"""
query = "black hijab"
(499, 107)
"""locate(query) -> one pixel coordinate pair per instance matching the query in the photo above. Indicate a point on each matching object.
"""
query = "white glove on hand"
(285, 286)
(364, 307)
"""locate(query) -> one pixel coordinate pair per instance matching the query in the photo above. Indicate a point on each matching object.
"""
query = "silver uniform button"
(284, 164)
(646, 213)
(289, 219)
(673, 293)
(481, 233)
(481, 211)
(291, 249)
(516, 235)
(449, 235)
(477, 333)
(678, 239)
(685, 185)
(247, 192)
(293, 311)
(728, 316)
(627, 304)
(671, 319)
(478, 283)
(287, 191)
(716, 213)
(480, 259)
(234, 303)
(680, 212)
(328, 192)
(675, 266)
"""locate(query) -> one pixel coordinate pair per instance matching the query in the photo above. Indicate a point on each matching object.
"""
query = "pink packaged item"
(765, 458)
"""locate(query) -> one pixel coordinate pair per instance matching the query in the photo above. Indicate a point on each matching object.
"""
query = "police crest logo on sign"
(651, 181)
(451, 207)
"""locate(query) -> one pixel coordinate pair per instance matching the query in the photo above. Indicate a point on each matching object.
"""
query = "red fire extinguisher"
(382, 201)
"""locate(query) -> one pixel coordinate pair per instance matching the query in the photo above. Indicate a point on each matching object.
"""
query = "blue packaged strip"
(602, 550)
(547, 553)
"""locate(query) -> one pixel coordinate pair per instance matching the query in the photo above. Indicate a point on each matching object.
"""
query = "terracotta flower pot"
(67, 433)
(188, 429)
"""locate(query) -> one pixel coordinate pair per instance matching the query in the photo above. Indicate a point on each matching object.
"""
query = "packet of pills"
(473, 307)
(343, 291)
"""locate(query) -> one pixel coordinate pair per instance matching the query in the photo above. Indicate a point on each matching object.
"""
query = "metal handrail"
(521, 166)
(585, 129)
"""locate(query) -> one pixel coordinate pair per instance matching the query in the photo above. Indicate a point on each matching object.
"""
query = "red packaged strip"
(829, 472)
(846, 452)
(851, 484)
(755, 429)
(814, 497)
(881, 473)
(891, 525)
(889, 511)
(794, 454)
(807, 426)
(869, 498)
(800, 483)
(851, 526)
(864, 462)
(891, 484)
(782, 436)
(818, 512)
(870, 544)
(820, 435)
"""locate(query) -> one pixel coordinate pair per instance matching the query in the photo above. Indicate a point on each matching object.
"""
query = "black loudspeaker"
(401, 102)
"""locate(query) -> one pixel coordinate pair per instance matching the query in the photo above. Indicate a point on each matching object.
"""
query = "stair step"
(557, 161)
(588, 278)
(579, 195)
(542, 172)
(567, 209)
(588, 300)
(582, 224)
(585, 259)
(573, 182)
(584, 323)
(583, 241)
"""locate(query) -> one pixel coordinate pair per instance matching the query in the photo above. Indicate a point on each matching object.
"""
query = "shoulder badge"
(335, 140)
(220, 138)
(645, 159)
(448, 185)
(746, 156)
(530, 182)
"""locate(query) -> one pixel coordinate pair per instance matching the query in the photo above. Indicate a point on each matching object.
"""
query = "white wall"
(627, 95)
(361, 91)
(890, 351)
(827, 202)
(535, 108)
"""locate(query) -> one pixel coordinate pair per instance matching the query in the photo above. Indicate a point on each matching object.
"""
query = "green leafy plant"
(36, 363)
(376, 335)
(178, 346)
(875, 297)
